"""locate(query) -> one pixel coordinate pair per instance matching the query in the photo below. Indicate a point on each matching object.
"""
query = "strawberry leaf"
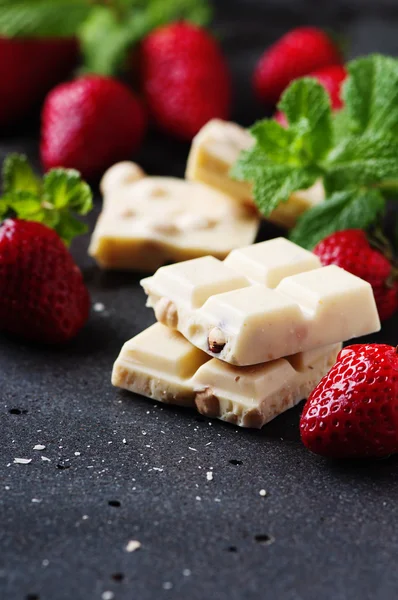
(351, 209)
(51, 201)
(18, 175)
(64, 188)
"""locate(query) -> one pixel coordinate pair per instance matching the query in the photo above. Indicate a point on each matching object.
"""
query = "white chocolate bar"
(216, 148)
(263, 302)
(149, 221)
(161, 364)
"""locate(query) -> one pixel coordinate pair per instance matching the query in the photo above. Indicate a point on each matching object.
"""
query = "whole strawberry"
(350, 249)
(184, 78)
(297, 53)
(28, 70)
(353, 411)
(90, 123)
(332, 79)
(42, 293)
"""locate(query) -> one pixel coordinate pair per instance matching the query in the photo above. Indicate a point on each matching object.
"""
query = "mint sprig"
(53, 200)
(353, 151)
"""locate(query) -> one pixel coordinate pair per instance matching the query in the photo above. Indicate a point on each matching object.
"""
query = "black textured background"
(327, 530)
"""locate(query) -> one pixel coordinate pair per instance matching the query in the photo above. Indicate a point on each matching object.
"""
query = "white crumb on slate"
(209, 476)
(36, 500)
(22, 461)
(217, 500)
(167, 585)
(39, 447)
(46, 459)
(198, 498)
(77, 453)
(193, 449)
(157, 469)
(98, 307)
(187, 572)
(84, 517)
(124, 441)
(133, 545)
(45, 562)
(208, 444)
(263, 493)
(107, 595)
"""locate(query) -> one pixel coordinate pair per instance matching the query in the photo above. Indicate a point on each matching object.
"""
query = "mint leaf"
(272, 183)
(371, 94)
(306, 105)
(18, 175)
(343, 210)
(279, 144)
(42, 18)
(362, 160)
(65, 189)
(109, 33)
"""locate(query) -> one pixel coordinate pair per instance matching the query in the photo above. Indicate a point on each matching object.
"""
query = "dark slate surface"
(324, 530)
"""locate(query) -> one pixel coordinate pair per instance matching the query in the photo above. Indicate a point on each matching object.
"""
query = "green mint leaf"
(42, 18)
(18, 175)
(65, 189)
(272, 183)
(367, 159)
(278, 144)
(109, 33)
(343, 210)
(306, 105)
(370, 94)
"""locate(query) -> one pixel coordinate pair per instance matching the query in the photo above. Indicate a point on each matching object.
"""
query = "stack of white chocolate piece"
(246, 338)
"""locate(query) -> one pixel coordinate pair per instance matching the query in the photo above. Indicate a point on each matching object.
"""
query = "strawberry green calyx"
(53, 200)
(353, 151)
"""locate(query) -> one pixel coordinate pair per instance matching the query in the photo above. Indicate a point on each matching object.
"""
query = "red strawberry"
(332, 79)
(89, 124)
(29, 68)
(185, 78)
(353, 411)
(42, 292)
(351, 250)
(297, 53)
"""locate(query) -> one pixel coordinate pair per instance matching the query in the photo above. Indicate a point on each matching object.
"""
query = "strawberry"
(89, 124)
(350, 250)
(353, 411)
(332, 79)
(297, 53)
(184, 78)
(29, 68)
(42, 293)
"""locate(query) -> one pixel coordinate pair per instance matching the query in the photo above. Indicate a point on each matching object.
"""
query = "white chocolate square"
(256, 322)
(216, 148)
(161, 364)
(149, 221)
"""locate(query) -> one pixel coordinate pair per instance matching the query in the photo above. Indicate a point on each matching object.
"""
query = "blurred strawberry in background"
(28, 70)
(185, 78)
(332, 79)
(89, 124)
(297, 53)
